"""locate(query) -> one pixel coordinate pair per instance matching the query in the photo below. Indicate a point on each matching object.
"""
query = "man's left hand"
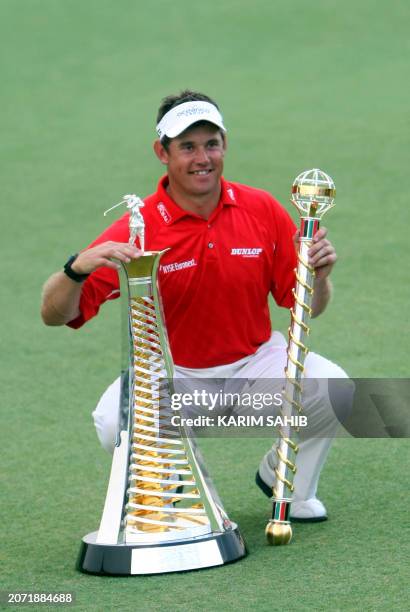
(322, 254)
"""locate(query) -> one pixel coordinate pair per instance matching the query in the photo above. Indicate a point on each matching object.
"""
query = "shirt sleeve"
(103, 284)
(284, 258)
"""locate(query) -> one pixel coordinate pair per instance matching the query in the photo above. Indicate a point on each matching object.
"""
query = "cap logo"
(195, 110)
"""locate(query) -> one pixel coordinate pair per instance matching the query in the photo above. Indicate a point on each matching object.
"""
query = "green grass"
(301, 85)
(357, 560)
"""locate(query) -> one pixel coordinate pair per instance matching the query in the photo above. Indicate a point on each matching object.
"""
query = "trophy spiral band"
(313, 194)
(161, 512)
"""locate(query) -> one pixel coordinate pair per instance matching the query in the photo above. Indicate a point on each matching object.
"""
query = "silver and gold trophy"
(161, 513)
(313, 194)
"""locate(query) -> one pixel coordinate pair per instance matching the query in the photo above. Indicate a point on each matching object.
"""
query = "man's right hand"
(61, 295)
(102, 255)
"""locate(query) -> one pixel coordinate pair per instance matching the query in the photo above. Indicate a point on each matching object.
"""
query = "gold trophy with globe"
(313, 193)
(162, 512)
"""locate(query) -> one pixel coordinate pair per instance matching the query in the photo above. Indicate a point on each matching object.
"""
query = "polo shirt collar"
(171, 212)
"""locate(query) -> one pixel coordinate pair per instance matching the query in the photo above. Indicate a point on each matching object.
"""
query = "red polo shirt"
(217, 275)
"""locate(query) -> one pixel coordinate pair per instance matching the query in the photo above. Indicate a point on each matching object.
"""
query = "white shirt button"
(210, 245)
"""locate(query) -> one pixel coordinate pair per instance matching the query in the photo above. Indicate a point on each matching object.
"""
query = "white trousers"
(324, 413)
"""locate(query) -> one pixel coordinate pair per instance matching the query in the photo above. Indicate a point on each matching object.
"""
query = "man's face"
(194, 160)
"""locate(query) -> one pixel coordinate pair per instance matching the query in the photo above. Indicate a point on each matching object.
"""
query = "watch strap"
(78, 278)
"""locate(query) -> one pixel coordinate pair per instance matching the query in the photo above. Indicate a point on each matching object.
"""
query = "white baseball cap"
(179, 118)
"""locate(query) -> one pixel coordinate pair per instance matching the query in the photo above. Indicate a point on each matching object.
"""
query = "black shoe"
(263, 486)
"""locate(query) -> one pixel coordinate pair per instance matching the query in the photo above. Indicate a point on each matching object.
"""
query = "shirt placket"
(211, 237)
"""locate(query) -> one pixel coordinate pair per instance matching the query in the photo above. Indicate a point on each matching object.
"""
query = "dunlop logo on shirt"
(247, 252)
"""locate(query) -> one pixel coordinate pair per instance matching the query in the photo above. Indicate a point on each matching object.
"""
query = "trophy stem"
(279, 530)
(313, 192)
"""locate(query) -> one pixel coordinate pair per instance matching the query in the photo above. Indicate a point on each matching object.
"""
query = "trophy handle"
(313, 194)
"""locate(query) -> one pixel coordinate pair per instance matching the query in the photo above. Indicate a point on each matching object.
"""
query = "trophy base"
(135, 559)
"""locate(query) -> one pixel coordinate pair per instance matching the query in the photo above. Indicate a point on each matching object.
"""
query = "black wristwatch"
(78, 278)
